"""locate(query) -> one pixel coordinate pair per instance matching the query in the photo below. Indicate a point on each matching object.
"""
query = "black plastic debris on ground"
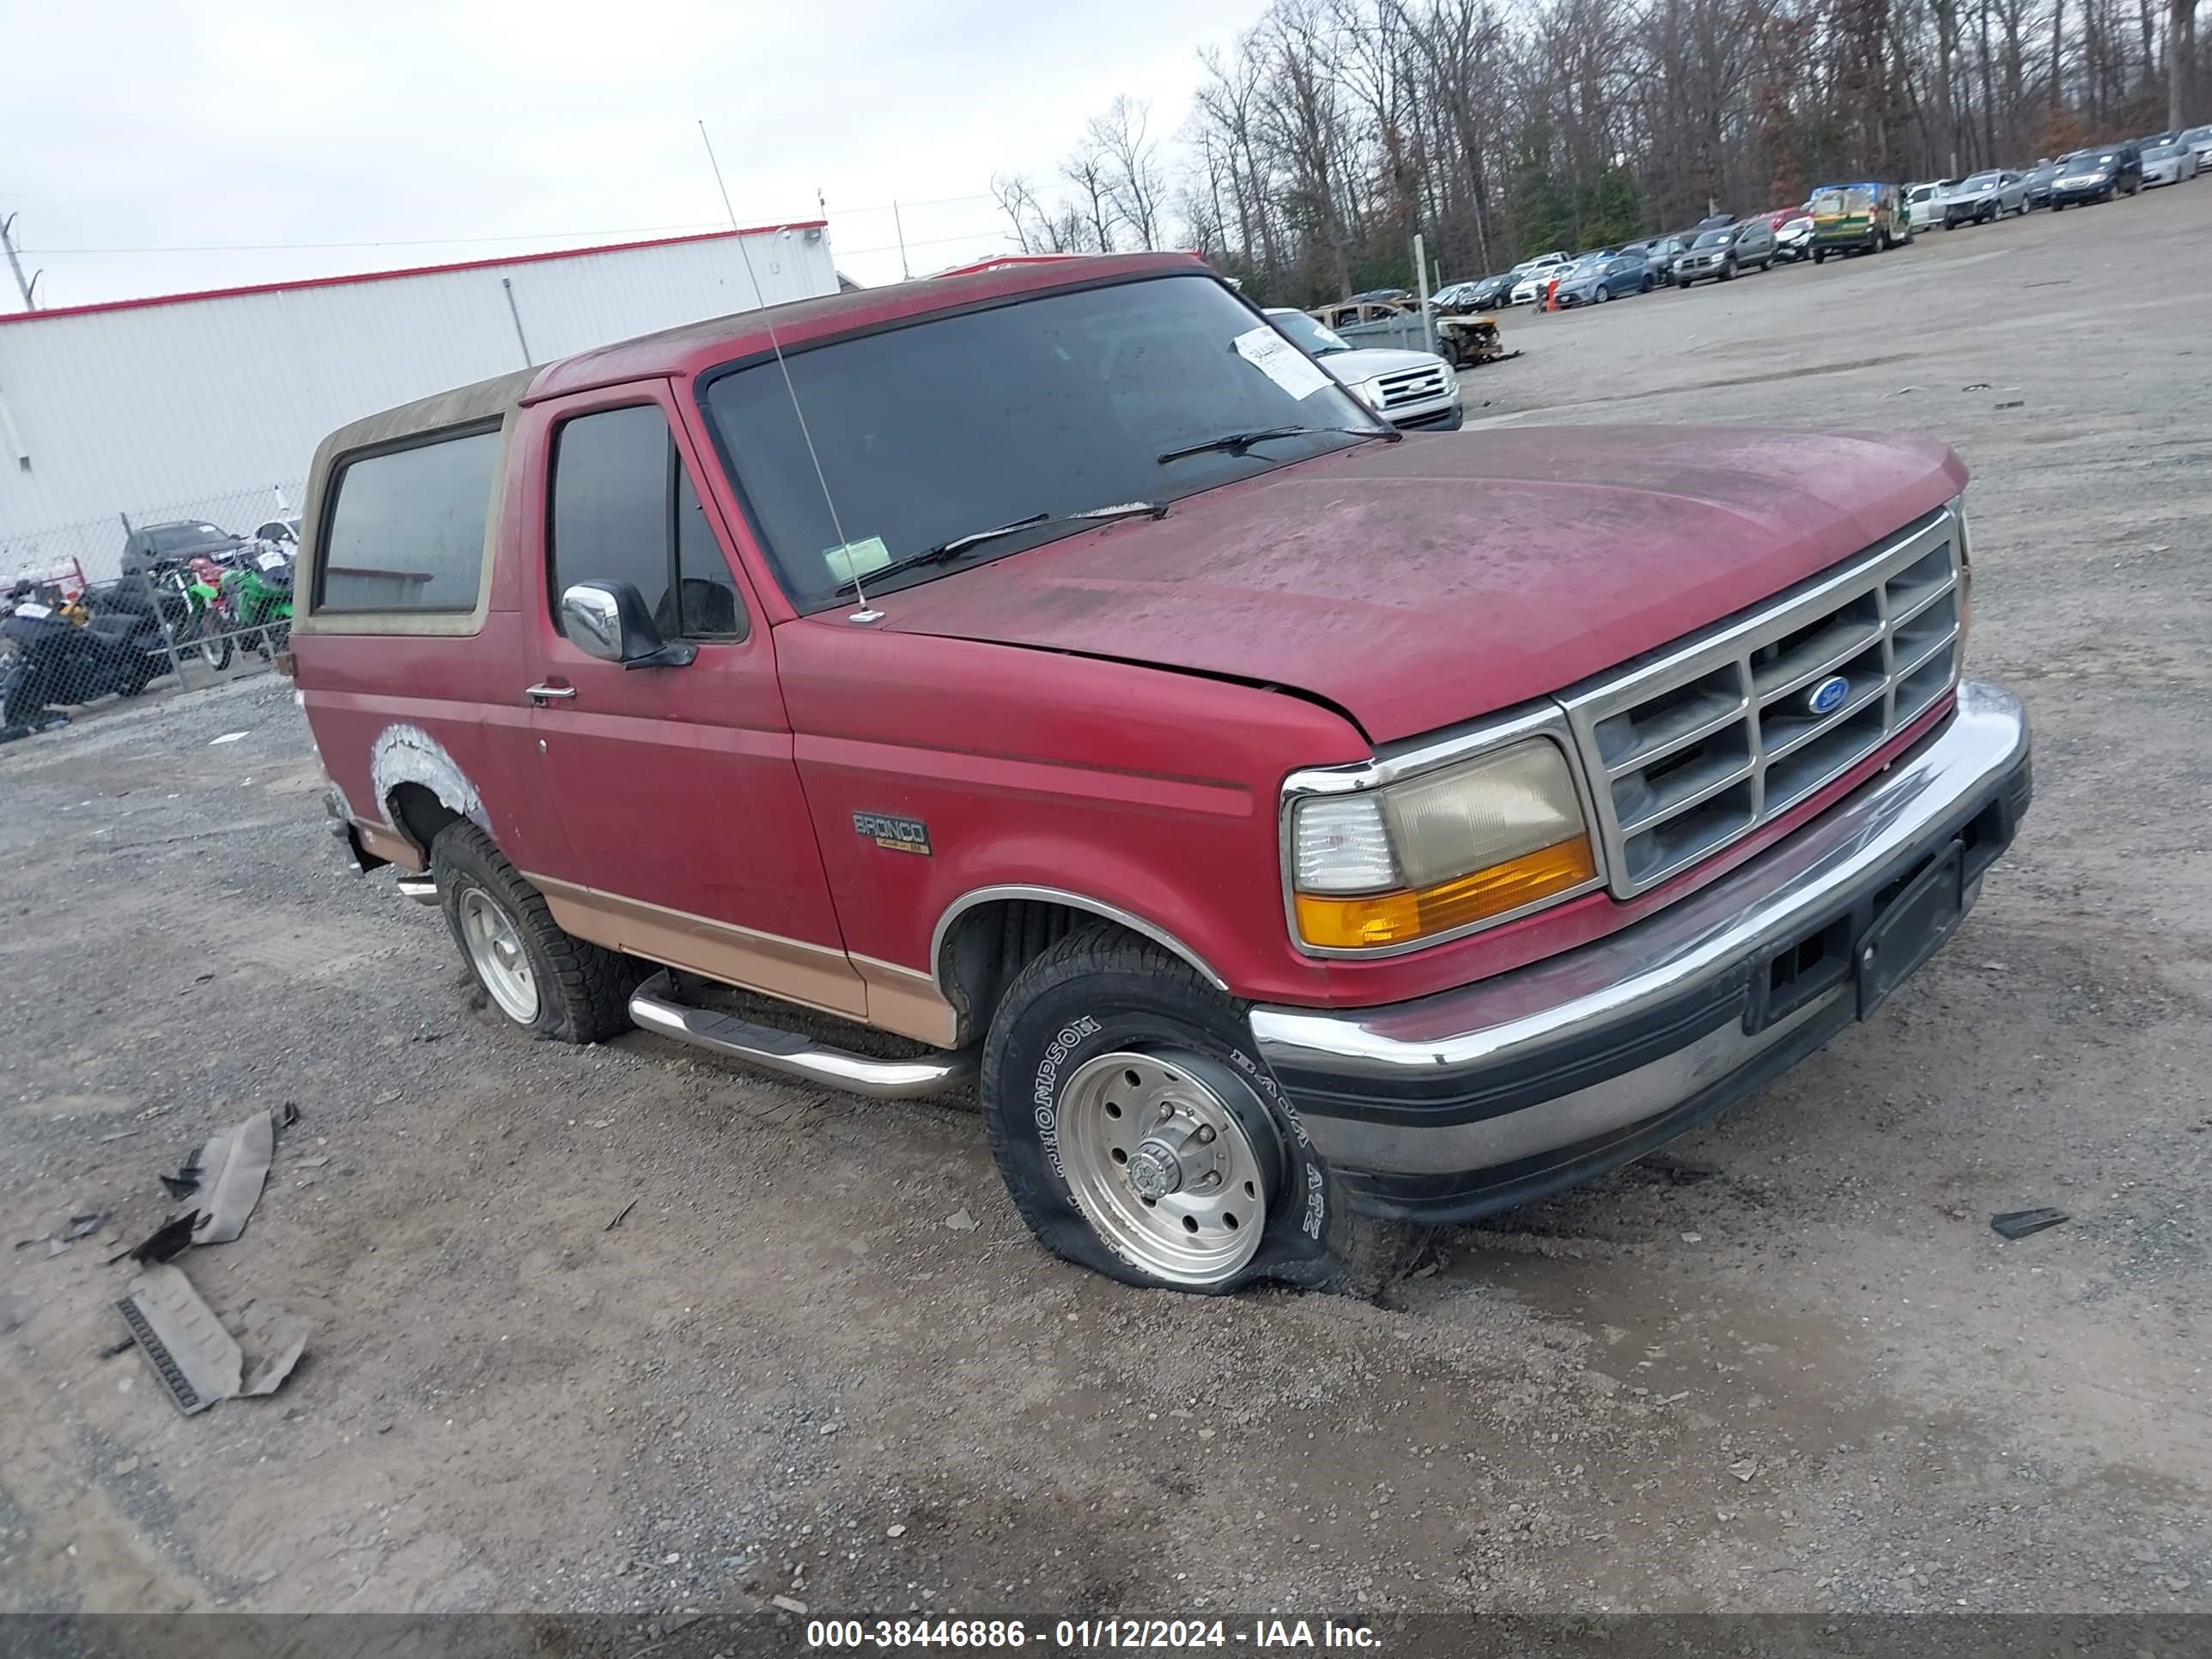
(2019, 1223)
(170, 1239)
(186, 1181)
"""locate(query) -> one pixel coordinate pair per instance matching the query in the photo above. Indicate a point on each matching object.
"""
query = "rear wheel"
(1139, 1136)
(549, 982)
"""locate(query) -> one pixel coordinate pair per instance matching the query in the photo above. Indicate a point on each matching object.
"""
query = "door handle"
(543, 693)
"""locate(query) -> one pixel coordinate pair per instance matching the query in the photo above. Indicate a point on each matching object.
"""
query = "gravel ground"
(626, 1330)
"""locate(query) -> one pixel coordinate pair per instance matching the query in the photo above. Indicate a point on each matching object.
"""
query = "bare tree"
(1090, 172)
(1135, 180)
(2180, 50)
(1034, 225)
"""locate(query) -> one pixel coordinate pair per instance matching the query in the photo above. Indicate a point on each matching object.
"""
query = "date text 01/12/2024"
(1086, 1633)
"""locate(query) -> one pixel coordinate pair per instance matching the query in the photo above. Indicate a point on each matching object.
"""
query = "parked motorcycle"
(260, 598)
(118, 651)
(207, 614)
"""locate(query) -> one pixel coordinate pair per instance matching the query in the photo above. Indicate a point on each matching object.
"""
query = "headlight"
(1369, 393)
(1439, 852)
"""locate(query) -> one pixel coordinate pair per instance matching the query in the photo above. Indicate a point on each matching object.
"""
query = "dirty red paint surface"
(1419, 584)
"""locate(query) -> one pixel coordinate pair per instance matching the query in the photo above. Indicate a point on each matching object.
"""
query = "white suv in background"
(1414, 390)
(1924, 204)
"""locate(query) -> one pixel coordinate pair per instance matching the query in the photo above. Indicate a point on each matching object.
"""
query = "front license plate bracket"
(1910, 929)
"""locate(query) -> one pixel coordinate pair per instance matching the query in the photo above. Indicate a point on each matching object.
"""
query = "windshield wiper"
(1237, 442)
(946, 552)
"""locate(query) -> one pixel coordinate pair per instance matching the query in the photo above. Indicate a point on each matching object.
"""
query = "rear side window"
(407, 527)
(624, 511)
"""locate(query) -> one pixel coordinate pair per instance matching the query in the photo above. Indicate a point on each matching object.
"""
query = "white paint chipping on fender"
(408, 753)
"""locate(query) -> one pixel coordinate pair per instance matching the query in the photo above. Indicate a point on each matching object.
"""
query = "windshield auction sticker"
(1282, 362)
(856, 558)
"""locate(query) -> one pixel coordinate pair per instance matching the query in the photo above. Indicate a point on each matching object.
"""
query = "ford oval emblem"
(1828, 695)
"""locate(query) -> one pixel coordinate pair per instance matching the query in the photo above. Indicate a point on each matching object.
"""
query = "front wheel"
(1727, 270)
(1820, 256)
(549, 982)
(1139, 1136)
(213, 640)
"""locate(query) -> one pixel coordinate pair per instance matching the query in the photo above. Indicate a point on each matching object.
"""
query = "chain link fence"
(149, 603)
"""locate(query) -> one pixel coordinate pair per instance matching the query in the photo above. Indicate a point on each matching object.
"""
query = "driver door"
(688, 837)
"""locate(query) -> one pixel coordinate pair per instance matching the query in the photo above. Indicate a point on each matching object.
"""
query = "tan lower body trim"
(391, 845)
(879, 994)
(906, 1000)
(815, 975)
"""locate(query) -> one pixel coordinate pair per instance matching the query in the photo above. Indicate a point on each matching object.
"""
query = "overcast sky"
(472, 128)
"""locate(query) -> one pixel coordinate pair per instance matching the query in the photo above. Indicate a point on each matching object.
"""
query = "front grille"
(1701, 743)
(1413, 385)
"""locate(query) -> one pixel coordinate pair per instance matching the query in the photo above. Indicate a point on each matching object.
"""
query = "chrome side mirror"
(609, 621)
(591, 616)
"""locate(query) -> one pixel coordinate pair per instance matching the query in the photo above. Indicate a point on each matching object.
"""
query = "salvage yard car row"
(1869, 216)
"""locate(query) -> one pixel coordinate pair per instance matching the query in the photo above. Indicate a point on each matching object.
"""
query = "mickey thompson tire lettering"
(1047, 1077)
(1101, 991)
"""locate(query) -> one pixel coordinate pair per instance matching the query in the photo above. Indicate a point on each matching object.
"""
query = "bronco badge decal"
(895, 835)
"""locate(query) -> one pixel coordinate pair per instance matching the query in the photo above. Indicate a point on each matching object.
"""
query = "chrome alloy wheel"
(1163, 1167)
(495, 951)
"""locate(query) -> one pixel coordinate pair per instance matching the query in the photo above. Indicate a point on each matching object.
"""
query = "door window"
(624, 509)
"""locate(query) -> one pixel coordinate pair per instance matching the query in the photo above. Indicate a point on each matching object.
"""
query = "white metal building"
(209, 405)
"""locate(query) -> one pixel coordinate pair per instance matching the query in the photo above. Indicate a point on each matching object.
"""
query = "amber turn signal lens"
(1378, 919)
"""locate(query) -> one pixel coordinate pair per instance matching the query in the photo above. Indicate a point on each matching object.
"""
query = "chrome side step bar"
(423, 890)
(652, 1005)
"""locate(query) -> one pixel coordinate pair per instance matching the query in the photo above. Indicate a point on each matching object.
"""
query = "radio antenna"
(865, 613)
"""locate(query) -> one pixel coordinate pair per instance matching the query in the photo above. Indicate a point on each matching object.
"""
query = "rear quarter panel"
(463, 690)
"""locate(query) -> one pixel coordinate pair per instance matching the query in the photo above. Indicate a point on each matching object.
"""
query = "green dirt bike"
(260, 600)
(199, 610)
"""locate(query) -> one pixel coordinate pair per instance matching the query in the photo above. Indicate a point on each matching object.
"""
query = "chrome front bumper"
(1488, 1096)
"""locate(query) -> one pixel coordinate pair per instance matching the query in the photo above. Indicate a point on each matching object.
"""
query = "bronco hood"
(1419, 584)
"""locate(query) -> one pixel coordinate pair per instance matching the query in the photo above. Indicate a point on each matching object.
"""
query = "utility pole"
(30, 301)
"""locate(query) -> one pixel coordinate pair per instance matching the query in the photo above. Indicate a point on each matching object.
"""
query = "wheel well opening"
(419, 813)
(992, 944)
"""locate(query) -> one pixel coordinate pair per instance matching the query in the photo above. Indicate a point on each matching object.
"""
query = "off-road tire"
(1100, 990)
(583, 989)
(211, 633)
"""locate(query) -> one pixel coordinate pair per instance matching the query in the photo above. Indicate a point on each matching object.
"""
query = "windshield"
(1836, 201)
(1716, 239)
(2161, 152)
(1980, 181)
(1059, 404)
(1317, 341)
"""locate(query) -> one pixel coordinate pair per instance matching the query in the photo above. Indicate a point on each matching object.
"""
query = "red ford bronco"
(1050, 675)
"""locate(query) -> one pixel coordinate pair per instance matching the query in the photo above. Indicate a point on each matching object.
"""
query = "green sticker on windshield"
(856, 558)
